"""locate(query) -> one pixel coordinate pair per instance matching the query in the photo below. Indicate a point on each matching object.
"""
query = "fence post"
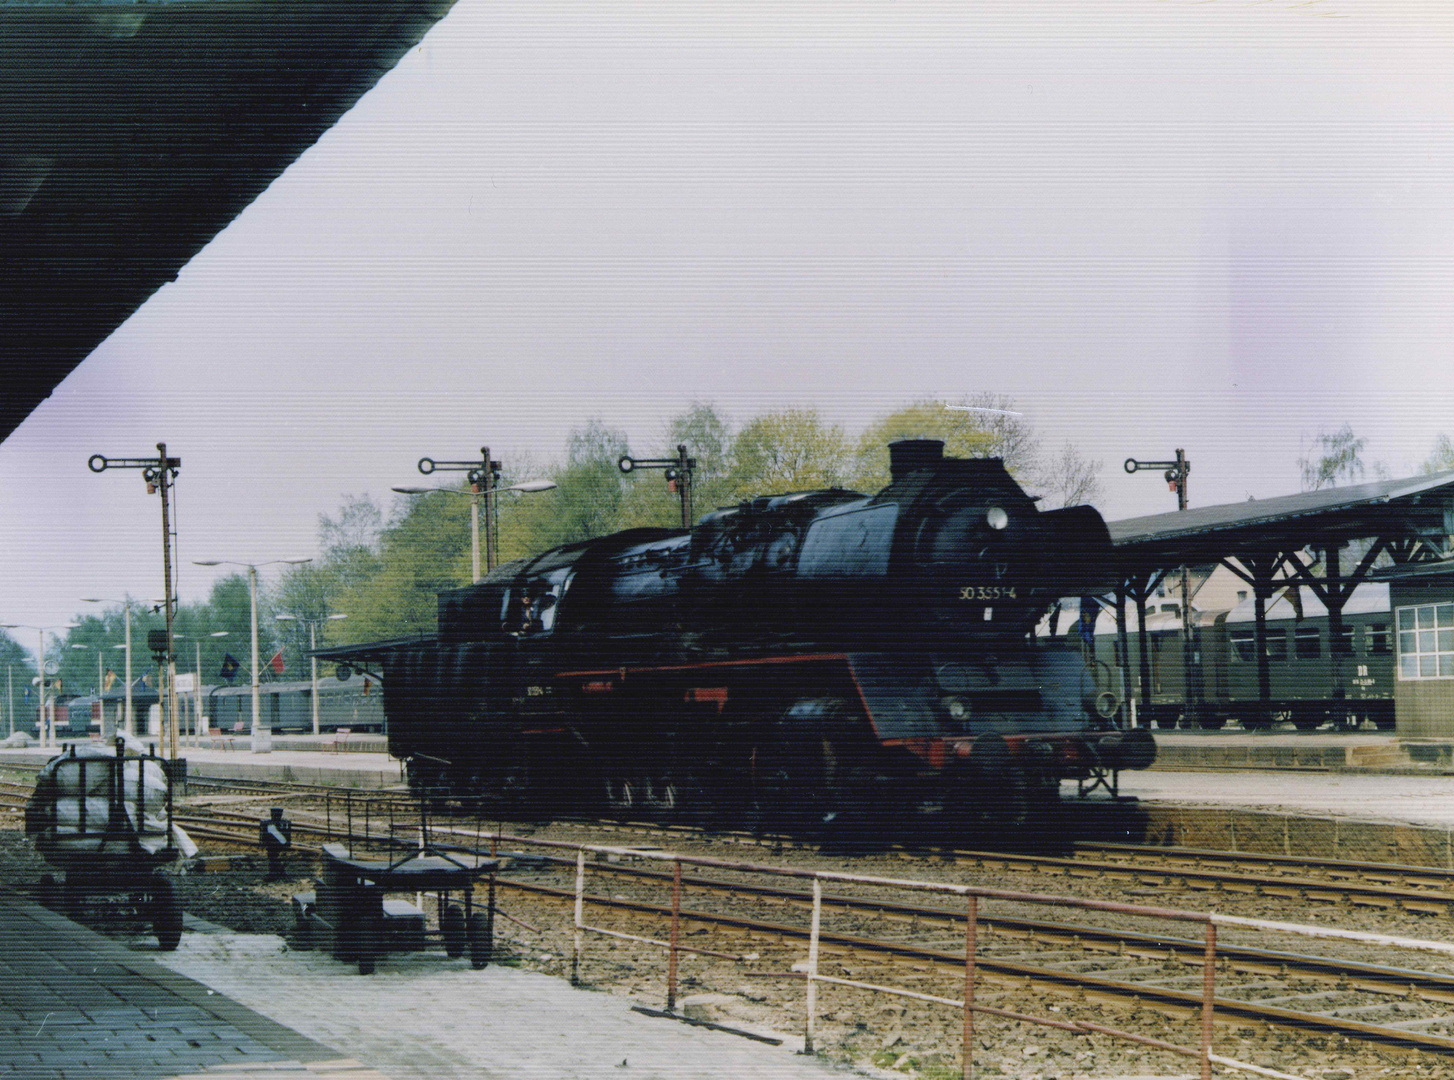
(676, 922)
(1209, 990)
(970, 920)
(575, 960)
(813, 966)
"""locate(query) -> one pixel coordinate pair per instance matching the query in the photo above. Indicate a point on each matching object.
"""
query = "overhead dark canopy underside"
(132, 133)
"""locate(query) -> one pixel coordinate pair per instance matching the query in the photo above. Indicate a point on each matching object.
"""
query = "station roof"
(1421, 504)
(135, 132)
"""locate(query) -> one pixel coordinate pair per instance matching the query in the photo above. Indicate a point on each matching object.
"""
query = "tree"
(1331, 458)
(423, 551)
(964, 434)
(1012, 438)
(789, 450)
(230, 610)
(349, 558)
(1442, 457)
(1068, 479)
(89, 638)
(587, 498)
(349, 545)
(707, 435)
(18, 669)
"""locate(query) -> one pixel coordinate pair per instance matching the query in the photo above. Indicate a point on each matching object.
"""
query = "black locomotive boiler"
(797, 659)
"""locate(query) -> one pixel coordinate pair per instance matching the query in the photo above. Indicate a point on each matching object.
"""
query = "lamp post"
(197, 684)
(126, 606)
(262, 738)
(312, 645)
(44, 729)
(484, 478)
(100, 679)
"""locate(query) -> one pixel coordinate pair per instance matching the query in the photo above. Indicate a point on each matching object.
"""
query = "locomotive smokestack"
(908, 455)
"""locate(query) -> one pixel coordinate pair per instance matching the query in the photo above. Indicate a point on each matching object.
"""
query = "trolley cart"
(351, 915)
(103, 817)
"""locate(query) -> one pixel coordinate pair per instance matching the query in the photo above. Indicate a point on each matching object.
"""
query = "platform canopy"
(1267, 543)
(134, 132)
(1413, 518)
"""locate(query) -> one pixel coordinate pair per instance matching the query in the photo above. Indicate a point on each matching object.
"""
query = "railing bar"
(658, 942)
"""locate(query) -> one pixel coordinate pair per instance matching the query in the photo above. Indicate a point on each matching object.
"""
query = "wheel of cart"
(482, 938)
(353, 916)
(102, 816)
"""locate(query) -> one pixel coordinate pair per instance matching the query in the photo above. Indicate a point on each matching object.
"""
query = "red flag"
(276, 663)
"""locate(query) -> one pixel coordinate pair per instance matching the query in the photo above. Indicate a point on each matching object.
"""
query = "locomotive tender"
(796, 659)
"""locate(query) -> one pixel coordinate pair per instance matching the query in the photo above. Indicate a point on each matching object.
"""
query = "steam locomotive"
(800, 659)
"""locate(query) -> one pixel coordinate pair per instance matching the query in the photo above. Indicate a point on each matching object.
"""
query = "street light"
(484, 477)
(126, 606)
(312, 645)
(197, 683)
(46, 730)
(100, 679)
(262, 738)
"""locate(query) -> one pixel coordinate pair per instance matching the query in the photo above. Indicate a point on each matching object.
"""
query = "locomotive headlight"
(957, 708)
(996, 518)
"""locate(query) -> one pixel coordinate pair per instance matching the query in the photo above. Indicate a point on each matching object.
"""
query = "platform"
(1319, 751)
(75, 1003)
(291, 762)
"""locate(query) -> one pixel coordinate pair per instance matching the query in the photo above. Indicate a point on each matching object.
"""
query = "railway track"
(1097, 965)
(1422, 890)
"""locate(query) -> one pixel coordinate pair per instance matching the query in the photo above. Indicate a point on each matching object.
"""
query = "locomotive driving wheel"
(621, 795)
(812, 777)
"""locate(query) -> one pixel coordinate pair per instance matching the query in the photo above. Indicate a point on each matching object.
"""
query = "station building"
(1421, 596)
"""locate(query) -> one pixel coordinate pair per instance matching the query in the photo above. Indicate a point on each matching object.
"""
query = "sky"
(1223, 226)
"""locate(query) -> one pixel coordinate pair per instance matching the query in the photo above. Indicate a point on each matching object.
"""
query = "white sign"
(185, 684)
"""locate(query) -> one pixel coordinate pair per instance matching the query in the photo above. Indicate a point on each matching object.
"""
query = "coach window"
(1244, 645)
(1277, 645)
(1307, 645)
(1376, 641)
(1426, 641)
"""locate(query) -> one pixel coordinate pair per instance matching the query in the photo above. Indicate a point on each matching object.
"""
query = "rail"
(383, 812)
(972, 895)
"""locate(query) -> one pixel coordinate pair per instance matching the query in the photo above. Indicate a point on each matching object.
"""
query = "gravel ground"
(880, 1035)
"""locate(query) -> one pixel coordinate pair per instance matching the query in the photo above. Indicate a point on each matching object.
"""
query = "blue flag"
(228, 671)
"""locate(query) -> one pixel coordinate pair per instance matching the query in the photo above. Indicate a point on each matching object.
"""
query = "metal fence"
(971, 896)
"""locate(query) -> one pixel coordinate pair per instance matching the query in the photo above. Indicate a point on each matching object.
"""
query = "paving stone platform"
(76, 1004)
